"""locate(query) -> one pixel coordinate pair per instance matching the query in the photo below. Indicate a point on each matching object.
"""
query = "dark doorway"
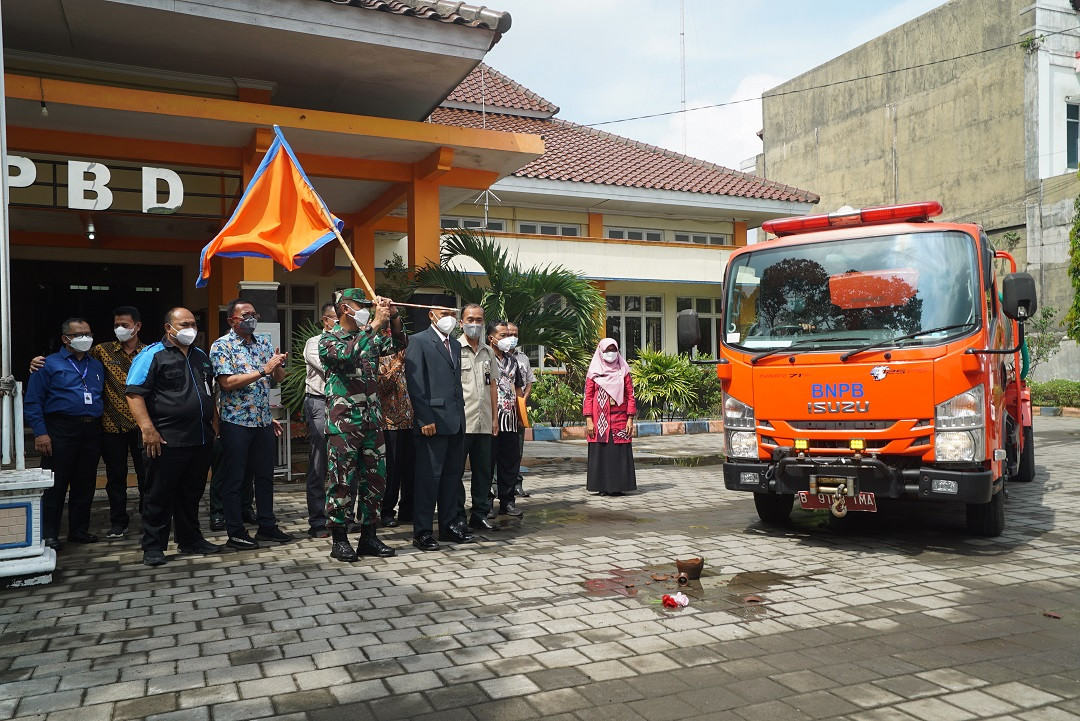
(45, 293)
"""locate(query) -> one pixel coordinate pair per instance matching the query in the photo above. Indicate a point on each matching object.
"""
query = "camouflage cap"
(354, 294)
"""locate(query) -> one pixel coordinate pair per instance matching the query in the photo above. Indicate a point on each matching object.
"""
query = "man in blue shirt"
(63, 406)
(169, 390)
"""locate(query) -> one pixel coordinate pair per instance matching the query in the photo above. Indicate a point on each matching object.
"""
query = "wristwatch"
(262, 372)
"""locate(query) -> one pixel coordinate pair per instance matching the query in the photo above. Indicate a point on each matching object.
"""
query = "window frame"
(474, 223)
(624, 234)
(1072, 136)
(642, 314)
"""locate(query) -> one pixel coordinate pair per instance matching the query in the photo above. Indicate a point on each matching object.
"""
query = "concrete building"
(653, 228)
(134, 125)
(975, 104)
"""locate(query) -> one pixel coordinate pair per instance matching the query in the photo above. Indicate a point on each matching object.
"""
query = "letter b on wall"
(88, 186)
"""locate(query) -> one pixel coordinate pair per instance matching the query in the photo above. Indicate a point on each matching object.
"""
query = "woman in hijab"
(609, 421)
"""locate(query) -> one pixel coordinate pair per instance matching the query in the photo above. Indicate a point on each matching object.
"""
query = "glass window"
(704, 305)
(706, 344)
(654, 235)
(282, 293)
(614, 302)
(638, 326)
(632, 344)
(496, 225)
(1072, 134)
(302, 294)
(472, 223)
(632, 303)
(571, 231)
(701, 239)
(617, 234)
(682, 238)
(635, 235)
(719, 240)
(549, 230)
(683, 304)
(529, 228)
(614, 326)
(448, 222)
(654, 333)
(654, 304)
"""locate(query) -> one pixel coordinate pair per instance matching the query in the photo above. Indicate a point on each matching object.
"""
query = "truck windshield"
(846, 293)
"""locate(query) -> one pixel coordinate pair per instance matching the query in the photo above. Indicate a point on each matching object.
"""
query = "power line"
(832, 84)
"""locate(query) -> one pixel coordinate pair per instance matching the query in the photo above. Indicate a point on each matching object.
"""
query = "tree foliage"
(1043, 339)
(1072, 316)
(551, 305)
(292, 388)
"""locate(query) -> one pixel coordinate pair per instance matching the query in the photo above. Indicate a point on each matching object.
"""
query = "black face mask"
(247, 325)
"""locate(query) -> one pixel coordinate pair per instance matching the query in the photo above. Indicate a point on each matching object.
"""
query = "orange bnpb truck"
(873, 354)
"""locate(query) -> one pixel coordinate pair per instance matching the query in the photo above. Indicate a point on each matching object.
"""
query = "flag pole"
(367, 285)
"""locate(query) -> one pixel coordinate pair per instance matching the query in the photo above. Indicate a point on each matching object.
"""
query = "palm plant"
(663, 382)
(292, 388)
(551, 305)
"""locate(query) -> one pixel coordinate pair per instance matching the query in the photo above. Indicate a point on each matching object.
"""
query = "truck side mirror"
(689, 330)
(1017, 296)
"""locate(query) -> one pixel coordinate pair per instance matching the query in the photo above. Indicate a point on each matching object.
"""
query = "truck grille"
(841, 425)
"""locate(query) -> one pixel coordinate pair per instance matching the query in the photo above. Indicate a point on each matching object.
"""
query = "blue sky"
(602, 60)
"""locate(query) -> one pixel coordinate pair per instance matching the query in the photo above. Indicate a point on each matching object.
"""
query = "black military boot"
(370, 545)
(342, 550)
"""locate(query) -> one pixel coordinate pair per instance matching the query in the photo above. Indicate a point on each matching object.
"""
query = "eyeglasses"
(247, 316)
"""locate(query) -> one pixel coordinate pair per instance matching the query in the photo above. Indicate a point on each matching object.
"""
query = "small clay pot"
(691, 567)
(683, 579)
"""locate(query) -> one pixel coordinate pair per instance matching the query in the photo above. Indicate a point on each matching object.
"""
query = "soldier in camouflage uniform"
(356, 460)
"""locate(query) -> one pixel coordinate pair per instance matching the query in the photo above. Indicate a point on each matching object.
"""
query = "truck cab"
(872, 354)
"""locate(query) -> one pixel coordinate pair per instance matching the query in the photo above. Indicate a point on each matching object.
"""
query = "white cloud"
(726, 135)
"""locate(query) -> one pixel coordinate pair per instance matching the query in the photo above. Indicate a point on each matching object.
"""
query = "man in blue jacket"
(63, 406)
(169, 391)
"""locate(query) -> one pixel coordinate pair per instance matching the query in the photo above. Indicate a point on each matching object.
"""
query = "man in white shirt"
(315, 415)
(479, 388)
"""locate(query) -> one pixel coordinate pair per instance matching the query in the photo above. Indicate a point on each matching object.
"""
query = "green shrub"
(555, 402)
(664, 384)
(707, 393)
(293, 387)
(1056, 393)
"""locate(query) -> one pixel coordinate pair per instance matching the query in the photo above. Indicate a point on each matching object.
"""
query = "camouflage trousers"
(355, 474)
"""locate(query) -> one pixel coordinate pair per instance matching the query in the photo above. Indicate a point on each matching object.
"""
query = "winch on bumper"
(789, 474)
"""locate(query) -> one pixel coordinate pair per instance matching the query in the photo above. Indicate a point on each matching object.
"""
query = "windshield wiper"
(906, 336)
(798, 344)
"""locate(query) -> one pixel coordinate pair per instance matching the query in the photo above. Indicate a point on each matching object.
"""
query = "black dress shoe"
(153, 558)
(242, 543)
(390, 522)
(202, 548)
(493, 513)
(509, 509)
(274, 534)
(520, 491)
(319, 532)
(426, 542)
(54, 543)
(343, 551)
(82, 537)
(456, 534)
(373, 547)
(217, 524)
(483, 524)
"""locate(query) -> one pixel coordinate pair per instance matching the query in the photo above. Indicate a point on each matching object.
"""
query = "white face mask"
(473, 330)
(186, 336)
(446, 324)
(506, 344)
(82, 343)
(610, 356)
(362, 316)
(123, 334)
(513, 341)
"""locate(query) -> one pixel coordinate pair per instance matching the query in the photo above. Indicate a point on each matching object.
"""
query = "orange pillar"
(596, 225)
(740, 233)
(423, 210)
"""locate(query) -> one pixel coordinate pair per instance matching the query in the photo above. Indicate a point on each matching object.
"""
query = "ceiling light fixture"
(44, 107)
(90, 230)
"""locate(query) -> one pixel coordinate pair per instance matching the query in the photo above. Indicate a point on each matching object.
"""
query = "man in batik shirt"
(398, 434)
(356, 461)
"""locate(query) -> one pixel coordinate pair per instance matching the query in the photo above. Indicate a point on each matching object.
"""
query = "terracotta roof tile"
(489, 88)
(578, 153)
(446, 11)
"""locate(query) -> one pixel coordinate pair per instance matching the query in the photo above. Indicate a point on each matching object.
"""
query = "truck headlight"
(959, 425)
(742, 444)
(737, 415)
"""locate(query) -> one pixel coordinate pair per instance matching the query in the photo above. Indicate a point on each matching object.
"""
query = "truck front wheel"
(1026, 472)
(987, 519)
(773, 508)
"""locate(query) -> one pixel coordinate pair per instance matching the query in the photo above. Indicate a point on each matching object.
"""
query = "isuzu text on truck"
(872, 354)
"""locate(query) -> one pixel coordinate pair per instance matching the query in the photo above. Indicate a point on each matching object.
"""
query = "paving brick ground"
(897, 616)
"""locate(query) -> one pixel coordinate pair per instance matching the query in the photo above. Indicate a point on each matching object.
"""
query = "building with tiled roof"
(653, 227)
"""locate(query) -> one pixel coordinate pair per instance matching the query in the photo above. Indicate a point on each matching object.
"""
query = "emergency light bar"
(846, 217)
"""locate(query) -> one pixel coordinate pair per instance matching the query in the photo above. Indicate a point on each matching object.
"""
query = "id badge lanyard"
(88, 397)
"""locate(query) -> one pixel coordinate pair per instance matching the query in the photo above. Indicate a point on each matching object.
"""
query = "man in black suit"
(432, 372)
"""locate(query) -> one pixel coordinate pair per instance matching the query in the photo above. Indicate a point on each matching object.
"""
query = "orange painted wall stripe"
(65, 92)
(108, 147)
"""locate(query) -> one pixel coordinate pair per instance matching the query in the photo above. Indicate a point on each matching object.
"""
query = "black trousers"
(217, 475)
(440, 463)
(478, 451)
(115, 449)
(247, 450)
(507, 464)
(315, 415)
(175, 482)
(400, 473)
(76, 448)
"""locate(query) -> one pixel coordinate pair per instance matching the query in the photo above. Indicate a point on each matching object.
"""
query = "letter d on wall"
(84, 178)
(151, 177)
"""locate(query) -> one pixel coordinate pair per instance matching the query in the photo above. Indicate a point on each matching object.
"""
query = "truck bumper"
(791, 476)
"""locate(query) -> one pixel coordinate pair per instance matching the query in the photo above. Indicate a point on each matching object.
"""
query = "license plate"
(858, 502)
